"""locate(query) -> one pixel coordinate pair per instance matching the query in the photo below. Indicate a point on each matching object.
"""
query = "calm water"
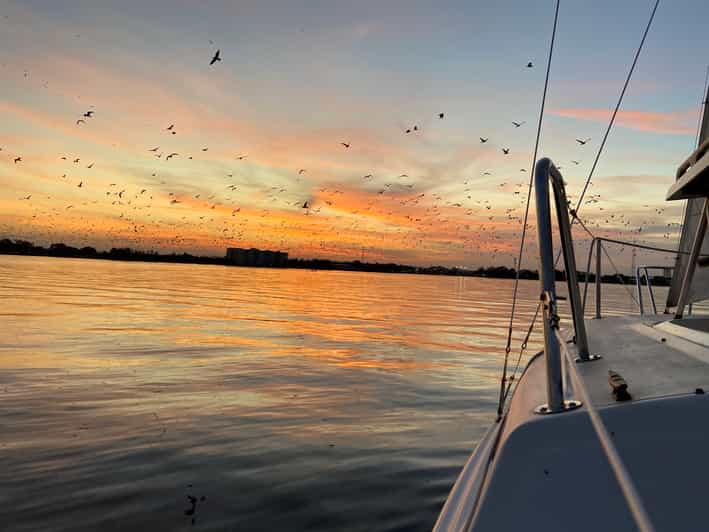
(291, 400)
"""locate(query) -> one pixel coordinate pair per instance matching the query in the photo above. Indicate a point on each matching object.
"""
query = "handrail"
(625, 482)
(640, 273)
(544, 173)
(596, 244)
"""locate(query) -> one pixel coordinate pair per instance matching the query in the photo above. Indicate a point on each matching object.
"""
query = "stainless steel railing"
(597, 248)
(544, 173)
(643, 272)
(554, 344)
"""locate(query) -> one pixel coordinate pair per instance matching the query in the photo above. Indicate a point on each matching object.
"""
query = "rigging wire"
(701, 108)
(504, 392)
(526, 216)
(617, 107)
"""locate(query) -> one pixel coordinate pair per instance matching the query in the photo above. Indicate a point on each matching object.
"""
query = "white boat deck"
(549, 472)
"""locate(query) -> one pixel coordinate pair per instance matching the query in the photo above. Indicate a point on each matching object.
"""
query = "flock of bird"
(389, 218)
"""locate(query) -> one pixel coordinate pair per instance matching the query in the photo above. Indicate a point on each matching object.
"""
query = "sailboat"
(606, 429)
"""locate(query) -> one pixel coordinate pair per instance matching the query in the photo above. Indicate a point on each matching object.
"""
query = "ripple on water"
(288, 399)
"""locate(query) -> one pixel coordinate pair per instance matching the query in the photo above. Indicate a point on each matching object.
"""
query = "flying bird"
(484, 140)
(155, 149)
(170, 128)
(241, 157)
(18, 160)
(506, 151)
(530, 65)
(76, 161)
(205, 149)
(89, 114)
(576, 162)
(90, 166)
(345, 144)
(305, 205)
(441, 115)
(215, 58)
(582, 141)
(301, 171)
(518, 124)
(80, 184)
(80, 121)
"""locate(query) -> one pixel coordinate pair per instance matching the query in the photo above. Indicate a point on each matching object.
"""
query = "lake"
(145, 396)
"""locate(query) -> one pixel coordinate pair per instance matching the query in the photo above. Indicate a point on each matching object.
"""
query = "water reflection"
(288, 399)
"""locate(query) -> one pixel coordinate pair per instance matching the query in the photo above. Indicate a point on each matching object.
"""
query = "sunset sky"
(298, 79)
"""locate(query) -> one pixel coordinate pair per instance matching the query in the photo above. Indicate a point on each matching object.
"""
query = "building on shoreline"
(256, 257)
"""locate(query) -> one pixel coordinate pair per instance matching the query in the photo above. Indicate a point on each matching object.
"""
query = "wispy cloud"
(674, 123)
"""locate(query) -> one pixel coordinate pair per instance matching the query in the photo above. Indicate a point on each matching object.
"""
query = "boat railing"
(545, 172)
(555, 344)
(643, 272)
(596, 248)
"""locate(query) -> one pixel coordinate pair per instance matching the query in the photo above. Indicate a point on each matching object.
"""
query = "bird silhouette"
(506, 151)
(441, 115)
(518, 124)
(241, 157)
(89, 114)
(215, 58)
(18, 160)
(90, 166)
(81, 183)
(305, 205)
(483, 140)
(530, 65)
(76, 161)
(345, 144)
(170, 128)
(155, 149)
(582, 141)
(80, 121)
(301, 171)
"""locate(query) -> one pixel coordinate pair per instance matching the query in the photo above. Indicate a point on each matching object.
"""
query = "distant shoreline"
(60, 250)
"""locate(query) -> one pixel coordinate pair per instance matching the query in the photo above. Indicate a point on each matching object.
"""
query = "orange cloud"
(674, 123)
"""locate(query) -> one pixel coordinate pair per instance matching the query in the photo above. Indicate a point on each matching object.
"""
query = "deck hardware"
(619, 386)
(591, 358)
(568, 405)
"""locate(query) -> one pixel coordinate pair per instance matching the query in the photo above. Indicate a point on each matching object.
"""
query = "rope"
(500, 403)
(620, 471)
